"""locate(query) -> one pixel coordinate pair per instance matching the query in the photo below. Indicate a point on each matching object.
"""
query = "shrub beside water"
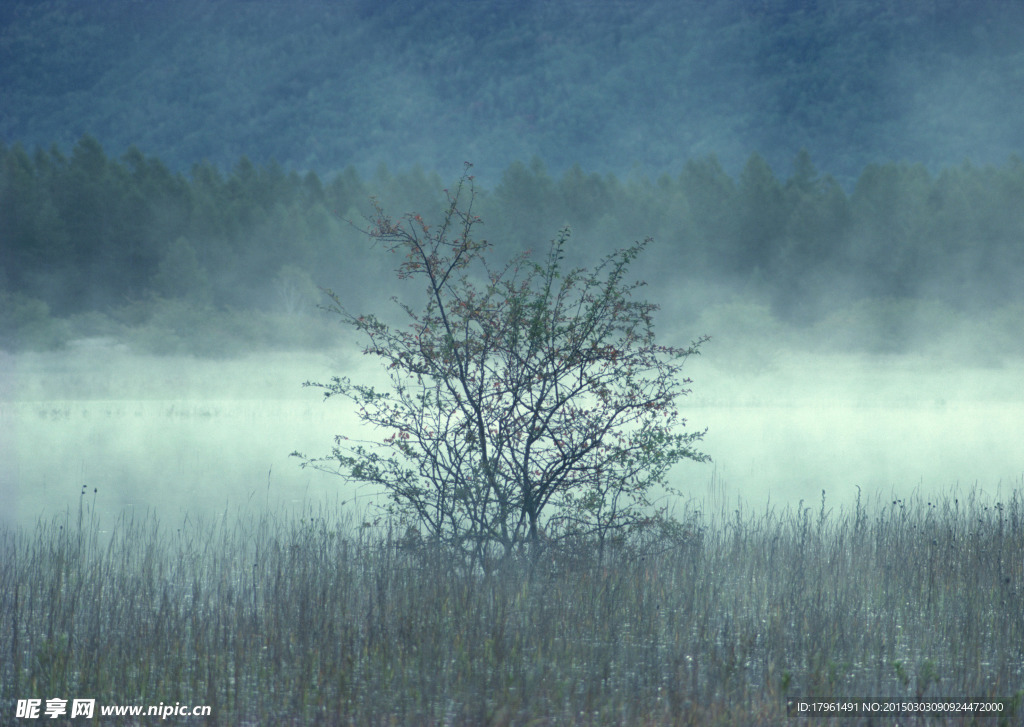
(272, 619)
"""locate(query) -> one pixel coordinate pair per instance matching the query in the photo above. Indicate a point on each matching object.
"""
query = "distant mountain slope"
(612, 85)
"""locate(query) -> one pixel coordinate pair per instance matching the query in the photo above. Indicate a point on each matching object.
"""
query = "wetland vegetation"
(318, 617)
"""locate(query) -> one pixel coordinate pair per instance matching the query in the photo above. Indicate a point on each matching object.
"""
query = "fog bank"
(181, 435)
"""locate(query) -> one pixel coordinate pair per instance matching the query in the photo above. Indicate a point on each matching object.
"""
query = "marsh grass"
(273, 619)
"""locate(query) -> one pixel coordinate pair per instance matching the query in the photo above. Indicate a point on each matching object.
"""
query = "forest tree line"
(94, 239)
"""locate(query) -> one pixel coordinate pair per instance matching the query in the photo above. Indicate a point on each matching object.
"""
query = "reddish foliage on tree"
(524, 400)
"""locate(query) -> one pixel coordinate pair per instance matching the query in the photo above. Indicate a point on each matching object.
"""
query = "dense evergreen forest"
(325, 84)
(207, 260)
(181, 175)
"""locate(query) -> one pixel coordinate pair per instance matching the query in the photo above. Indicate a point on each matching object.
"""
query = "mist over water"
(183, 436)
(888, 425)
(825, 166)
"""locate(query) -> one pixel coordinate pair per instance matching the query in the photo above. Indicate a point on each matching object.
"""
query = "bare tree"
(526, 403)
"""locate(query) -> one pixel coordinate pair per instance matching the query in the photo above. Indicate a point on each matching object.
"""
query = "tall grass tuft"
(271, 619)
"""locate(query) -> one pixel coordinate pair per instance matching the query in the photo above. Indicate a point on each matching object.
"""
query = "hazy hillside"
(173, 169)
(611, 85)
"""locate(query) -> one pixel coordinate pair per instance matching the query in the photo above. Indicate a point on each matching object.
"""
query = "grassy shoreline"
(308, 619)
